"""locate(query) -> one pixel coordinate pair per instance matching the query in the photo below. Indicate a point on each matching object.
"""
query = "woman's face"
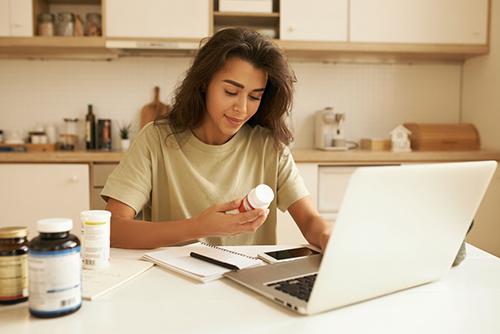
(232, 98)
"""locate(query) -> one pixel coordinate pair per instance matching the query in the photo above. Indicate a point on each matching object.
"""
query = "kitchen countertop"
(61, 157)
(362, 157)
(354, 157)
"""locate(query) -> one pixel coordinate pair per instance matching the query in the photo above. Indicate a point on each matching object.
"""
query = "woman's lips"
(234, 121)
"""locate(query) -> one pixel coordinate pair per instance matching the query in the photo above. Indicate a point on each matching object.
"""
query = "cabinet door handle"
(73, 179)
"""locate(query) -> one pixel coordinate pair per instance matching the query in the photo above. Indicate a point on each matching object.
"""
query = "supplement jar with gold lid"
(13, 265)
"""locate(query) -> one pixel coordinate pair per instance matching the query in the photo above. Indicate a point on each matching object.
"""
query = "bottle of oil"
(90, 137)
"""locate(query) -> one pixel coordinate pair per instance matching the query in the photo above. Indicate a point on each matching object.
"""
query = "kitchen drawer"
(100, 173)
(332, 183)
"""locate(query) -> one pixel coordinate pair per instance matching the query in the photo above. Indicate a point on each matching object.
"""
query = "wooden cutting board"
(153, 110)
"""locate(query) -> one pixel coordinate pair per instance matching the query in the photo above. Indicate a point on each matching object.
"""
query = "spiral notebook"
(179, 259)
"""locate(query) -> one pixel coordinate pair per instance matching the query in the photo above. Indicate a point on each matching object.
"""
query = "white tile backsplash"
(375, 97)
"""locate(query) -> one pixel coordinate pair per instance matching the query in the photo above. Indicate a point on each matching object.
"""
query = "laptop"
(398, 227)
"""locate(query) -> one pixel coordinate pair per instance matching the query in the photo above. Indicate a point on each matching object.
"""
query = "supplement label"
(95, 247)
(55, 280)
(13, 277)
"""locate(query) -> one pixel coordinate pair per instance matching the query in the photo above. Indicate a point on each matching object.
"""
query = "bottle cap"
(13, 232)
(95, 215)
(261, 196)
(54, 225)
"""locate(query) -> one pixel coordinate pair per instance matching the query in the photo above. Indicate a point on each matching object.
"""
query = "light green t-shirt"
(173, 177)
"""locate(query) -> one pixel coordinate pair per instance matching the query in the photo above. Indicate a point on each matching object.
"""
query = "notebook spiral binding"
(228, 251)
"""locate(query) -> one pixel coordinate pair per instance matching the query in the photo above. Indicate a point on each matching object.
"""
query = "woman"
(226, 134)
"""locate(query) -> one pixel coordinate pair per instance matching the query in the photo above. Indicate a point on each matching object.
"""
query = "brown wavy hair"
(189, 104)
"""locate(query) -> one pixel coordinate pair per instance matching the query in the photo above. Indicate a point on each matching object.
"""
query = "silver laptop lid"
(398, 227)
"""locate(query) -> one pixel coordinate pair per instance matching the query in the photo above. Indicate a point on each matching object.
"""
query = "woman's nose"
(241, 105)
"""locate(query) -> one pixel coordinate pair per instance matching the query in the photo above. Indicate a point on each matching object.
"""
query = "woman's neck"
(210, 136)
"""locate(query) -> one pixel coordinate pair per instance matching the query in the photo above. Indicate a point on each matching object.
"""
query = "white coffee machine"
(329, 130)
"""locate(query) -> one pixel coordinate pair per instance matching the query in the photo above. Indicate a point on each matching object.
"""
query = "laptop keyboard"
(300, 287)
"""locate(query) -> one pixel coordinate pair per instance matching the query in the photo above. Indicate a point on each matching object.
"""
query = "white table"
(467, 300)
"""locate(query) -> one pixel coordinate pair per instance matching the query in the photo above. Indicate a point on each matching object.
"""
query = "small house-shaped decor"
(400, 138)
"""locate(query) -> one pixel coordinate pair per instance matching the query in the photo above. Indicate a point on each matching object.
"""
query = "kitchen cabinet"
(4, 18)
(486, 230)
(322, 30)
(99, 176)
(30, 192)
(322, 20)
(419, 21)
(332, 184)
(158, 18)
(16, 18)
(327, 185)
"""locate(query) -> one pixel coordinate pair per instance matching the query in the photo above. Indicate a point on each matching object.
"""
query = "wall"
(375, 97)
(481, 105)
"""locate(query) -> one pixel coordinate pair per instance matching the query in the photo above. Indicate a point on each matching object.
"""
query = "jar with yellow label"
(13, 265)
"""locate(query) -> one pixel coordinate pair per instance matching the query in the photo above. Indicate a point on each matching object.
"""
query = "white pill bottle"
(259, 197)
(95, 238)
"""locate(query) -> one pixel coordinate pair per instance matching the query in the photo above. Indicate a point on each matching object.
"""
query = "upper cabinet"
(16, 18)
(322, 20)
(158, 18)
(419, 21)
(4, 18)
(323, 30)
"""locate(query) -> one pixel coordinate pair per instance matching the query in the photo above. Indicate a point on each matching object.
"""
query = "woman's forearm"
(135, 234)
(317, 232)
(315, 229)
(126, 232)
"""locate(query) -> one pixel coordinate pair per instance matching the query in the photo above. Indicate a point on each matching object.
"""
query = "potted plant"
(125, 136)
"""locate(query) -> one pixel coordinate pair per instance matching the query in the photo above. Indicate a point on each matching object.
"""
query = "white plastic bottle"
(95, 238)
(259, 197)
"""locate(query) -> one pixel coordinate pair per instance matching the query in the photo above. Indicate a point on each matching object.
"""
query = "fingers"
(254, 225)
(250, 216)
(228, 206)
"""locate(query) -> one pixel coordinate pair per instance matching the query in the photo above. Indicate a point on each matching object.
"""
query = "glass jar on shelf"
(45, 25)
(68, 137)
(93, 24)
(65, 24)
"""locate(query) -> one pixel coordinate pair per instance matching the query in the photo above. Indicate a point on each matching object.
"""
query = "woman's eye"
(255, 98)
(230, 93)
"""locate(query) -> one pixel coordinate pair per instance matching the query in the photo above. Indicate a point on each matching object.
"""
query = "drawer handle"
(74, 178)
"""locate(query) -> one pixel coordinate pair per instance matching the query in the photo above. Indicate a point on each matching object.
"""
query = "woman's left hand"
(324, 237)
(315, 229)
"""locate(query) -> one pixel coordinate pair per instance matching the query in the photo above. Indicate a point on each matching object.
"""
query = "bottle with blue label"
(54, 270)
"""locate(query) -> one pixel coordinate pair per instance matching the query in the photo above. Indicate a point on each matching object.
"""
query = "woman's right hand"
(214, 221)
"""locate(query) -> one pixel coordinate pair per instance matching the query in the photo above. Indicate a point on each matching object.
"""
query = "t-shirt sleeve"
(130, 182)
(291, 187)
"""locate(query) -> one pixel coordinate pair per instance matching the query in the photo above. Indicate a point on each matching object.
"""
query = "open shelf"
(246, 19)
(266, 23)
